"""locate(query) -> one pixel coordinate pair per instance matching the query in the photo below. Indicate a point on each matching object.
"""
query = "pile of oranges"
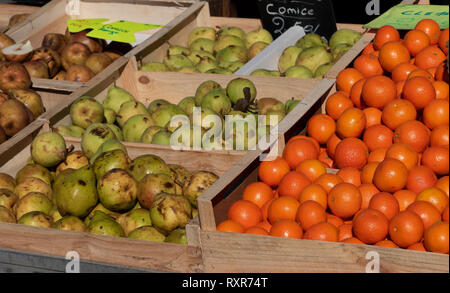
(386, 131)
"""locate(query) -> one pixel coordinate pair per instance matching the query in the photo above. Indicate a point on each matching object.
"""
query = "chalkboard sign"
(315, 16)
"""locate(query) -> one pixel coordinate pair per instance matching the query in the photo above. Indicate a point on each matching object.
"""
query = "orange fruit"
(373, 116)
(332, 143)
(414, 133)
(417, 246)
(258, 193)
(323, 232)
(420, 178)
(256, 231)
(386, 243)
(385, 203)
(347, 78)
(437, 159)
(321, 127)
(284, 207)
(328, 181)
(378, 91)
(370, 226)
(436, 113)
(442, 89)
(432, 70)
(385, 34)
(421, 73)
(435, 196)
(265, 225)
(390, 176)
(445, 215)
(353, 240)
(402, 71)
(265, 208)
(367, 192)
(344, 200)
(393, 53)
(426, 211)
(398, 111)
(399, 85)
(368, 65)
(287, 229)
(429, 57)
(315, 142)
(415, 41)
(230, 226)
(351, 123)
(315, 192)
(404, 153)
(299, 150)
(337, 103)
(292, 184)
(404, 198)
(436, 238)
(334, 220)
(442, 72)
(377, 156)
(356, 94)
(378, 136)
(350, 175)
(405, 229)
(245, 213)
(368, 49)
(442, 184)
(310, 213)
(345, 232)
(431, 28)
(311, 168)
(367, 172)
(327, 160)
(419, 91)
(443, 41)
(351, 152)
(271, 172)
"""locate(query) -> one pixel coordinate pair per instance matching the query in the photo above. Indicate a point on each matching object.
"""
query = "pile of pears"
(312, 56)
(123, 118)
(102, 191)
(209, 50)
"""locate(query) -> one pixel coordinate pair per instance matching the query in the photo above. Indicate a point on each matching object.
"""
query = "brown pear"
(54, 41)
(49, 56)
(3, 97)
(75, 54)
(13, 75)
(13, 116)
(37, 69)
(60, 75)
(79, 73)
(5, 41)
(31, 99)
(94, 45)
(97, 62)
(112, 55)
(17, 18)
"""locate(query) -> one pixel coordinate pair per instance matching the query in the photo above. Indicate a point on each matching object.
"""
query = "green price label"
(119, 31)
(407, 16)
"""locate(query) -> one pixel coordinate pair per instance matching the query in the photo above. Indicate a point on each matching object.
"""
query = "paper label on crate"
(119, 31)
(407, 16)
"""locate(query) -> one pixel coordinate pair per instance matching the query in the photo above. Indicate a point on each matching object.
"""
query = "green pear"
(311, 40)
(110, 115)
(290, 105)
(7, 198)
(36, 171)
(7, 181)
(70, 223)
(86, 111)
(196, 56)
(102, 210)
(188, 70)
(128, 110)
(147, 233)
(278, 114)
(256, 48)
(76, 131)
(219, 71)
(94, 136)
(170, 211)
(117, 190)
(115, 159)
(48, 149)
(77, 194)
(187, 104)
(134, 219)
(198, 182)
(265, 105)
(339, 50)
(174, 62)
(206, 64)
(74, 160)
(231, 30)
(177, 236)
(32, 184)
(299, 71)
(155, 104)
(239, 134)
(241, 88)
(218, 101)
(148, 164)
(135, 127)
(33, 201)
(36, 219)
(152, 185)
(202, 44)
(204, 88)
(322, 70)
(178, 50)
(115, 97)
(107, 146)
(344, 36)
(64, 130)
(288, 58)
(102, 224)
(261, 72)
(181, 173)
(162, 137)
(202, 33)
(235, 66)
(314, 57)
(226, 41)
(117, 131)
(154, 67)
(6, 215)
(54, 214)
(258, 35)
(232, 54)
(148, 134)
(165, 113)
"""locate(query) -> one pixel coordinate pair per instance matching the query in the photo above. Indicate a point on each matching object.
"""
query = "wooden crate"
(53, 17)
(8, 10)
(114, 250)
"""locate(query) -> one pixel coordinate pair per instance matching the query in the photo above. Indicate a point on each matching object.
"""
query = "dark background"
(345, 11)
